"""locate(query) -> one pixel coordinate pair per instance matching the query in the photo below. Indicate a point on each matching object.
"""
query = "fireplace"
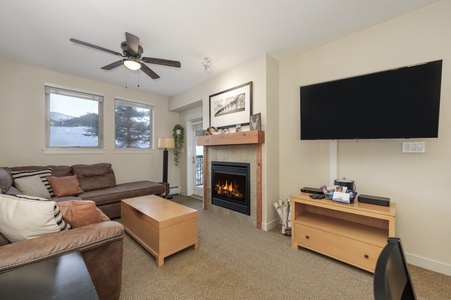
(230, 186)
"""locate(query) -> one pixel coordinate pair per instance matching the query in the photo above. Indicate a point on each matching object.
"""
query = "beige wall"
(418, 183)
(22, 117)
(271, 126)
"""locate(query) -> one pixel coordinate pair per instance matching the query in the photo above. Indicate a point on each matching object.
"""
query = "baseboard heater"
(174, 190)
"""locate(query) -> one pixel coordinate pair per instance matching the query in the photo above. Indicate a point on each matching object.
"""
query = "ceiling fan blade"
(160, 61)
(113, 65)
(132, 42)
(95, 47)
(149, 72)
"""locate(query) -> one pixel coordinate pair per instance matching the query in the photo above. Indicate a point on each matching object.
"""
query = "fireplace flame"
(228, 186)
(228, 189)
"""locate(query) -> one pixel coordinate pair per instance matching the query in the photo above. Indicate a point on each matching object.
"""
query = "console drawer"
(348, 250)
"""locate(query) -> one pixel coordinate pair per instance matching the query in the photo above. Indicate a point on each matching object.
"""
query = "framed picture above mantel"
(231, 107)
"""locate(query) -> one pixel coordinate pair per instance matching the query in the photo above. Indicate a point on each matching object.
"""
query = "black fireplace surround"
(230, 186)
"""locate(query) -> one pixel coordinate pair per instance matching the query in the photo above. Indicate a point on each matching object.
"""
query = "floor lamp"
(165, 143)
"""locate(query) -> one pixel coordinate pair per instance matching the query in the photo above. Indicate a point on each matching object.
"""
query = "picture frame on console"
(232, 106)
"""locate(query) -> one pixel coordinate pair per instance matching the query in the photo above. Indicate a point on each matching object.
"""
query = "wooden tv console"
(354, 233)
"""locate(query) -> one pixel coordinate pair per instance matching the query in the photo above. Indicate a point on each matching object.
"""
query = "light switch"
(413, 147)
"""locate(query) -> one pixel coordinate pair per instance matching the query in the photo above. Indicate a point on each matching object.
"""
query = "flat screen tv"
(398, 103)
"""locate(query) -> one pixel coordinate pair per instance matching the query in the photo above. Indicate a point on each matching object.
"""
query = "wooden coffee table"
(161, 226)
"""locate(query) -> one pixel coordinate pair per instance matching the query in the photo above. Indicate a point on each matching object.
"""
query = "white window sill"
(51, 151)
(134, 151)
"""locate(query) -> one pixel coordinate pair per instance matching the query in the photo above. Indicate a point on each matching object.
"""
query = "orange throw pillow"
(65, 186)
(81, 213)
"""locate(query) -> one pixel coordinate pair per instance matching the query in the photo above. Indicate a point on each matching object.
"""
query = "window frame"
(138, 104)
(67, 91)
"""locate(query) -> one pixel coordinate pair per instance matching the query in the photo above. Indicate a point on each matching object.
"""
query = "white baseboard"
(268, 226)
(430, 264)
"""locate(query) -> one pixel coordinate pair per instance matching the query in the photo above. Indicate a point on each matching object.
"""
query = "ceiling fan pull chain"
(126, 78)
(138, 77)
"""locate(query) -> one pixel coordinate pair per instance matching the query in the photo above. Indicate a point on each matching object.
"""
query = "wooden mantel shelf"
(254, 137)
(235, 138)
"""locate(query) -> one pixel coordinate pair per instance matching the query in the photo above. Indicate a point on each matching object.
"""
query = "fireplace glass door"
(230, 186)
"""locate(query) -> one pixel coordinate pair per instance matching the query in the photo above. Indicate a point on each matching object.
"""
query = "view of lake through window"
(73, 122)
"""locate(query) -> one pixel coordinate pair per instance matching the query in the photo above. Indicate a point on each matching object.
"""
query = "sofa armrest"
(166, 185)
(83, 239)
(100, 244)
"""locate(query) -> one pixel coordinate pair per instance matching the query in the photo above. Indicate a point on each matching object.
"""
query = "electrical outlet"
(413, 147)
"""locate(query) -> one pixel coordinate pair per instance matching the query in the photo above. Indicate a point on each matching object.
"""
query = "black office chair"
(391, 277)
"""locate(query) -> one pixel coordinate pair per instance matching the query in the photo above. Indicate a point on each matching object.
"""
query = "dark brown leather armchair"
(100, 244)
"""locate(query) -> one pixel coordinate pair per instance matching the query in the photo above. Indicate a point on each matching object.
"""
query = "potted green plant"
(178, 133)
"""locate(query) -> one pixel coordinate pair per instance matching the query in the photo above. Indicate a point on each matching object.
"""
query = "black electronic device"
(383, 201)
(317, 196)
(391, 276)
(379, 105)
(350, 184)
(311, 190)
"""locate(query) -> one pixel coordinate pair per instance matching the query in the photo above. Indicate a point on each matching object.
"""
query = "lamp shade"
(166, 143)
(132, 65)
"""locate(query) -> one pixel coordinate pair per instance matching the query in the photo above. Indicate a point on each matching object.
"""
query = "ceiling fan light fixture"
(131, 56)
(132, 65)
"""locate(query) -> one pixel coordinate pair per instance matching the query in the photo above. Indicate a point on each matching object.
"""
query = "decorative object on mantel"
(211, 131)
(284, 211)
(255, 121)
(178, 132)
(238, 128)
(232, 106)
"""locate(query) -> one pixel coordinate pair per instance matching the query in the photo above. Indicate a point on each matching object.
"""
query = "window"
(74, 119)
(134, 124)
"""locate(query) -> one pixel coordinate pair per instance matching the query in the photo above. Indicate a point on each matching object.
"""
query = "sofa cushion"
(42, 173)
(79, 213)
(5, 181)
(32, 186)
(65, 186)
(95, 176)
(60, 170)
(29, 217)
(124, 191)
(13, 191)
(3, 240)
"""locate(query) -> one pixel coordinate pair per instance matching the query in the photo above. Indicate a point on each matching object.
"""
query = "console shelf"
(353, 233)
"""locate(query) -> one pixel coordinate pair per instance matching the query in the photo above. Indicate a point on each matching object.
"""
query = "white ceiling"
(229, 31)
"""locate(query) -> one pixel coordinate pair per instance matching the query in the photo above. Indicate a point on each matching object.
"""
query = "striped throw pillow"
(24, 217)
(42, 173)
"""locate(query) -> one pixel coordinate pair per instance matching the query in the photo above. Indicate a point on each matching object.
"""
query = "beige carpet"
(237, 261)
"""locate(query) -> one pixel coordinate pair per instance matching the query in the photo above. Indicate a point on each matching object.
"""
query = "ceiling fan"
(131, 53)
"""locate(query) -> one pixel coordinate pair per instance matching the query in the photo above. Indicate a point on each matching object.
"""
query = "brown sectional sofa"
(99, 185)
(101, 244)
